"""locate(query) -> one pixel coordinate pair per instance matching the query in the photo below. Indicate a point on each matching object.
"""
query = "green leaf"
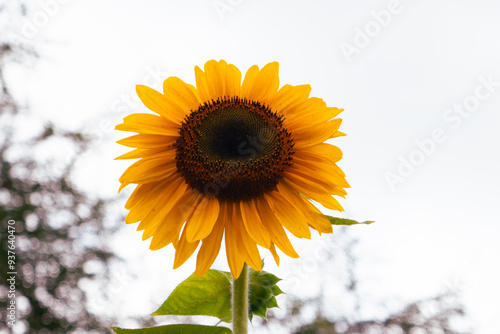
(272, 303)
(263, 290)
(260, 292)
(175, 329)
(267, 279)
(344, 221)
(276, 290)
(209, 294)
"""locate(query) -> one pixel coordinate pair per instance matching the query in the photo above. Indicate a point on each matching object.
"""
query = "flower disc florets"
(233, 149)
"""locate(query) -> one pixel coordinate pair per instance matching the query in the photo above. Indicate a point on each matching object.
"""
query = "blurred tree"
(59, 231)
(432, 315)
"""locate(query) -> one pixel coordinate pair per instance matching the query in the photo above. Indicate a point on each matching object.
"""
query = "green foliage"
(51, 217)
(175, 329)
(263, 290)
(348, 222)
(209, 294)
(432, 315)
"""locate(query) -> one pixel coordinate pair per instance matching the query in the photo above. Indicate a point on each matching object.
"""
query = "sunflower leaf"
(344, 221)
(276, 290)
(263, 290)
(209, 295)
(175, 329)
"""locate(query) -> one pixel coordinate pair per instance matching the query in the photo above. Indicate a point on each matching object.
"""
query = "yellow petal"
(246, 246)
(249, 80)
(149, 124)
(305, 137)
(308, 119)
(184, 250)
(312, 189)
(289, 97)
(321, 152)
(150, 169)
(338, 134)
(303, 182)
(266, 84)
(147, 141)
(276, 231)
(141, 153)
(326, 172)
(257, 231)
(202, 85)
(157, 102)
(210, 246)
(142, 200)
(215, 73)
(319, 221)
(134, 154)
(143, 192)
(288, 215)
(275, 254)
(181, 96)
(203, 220)
(234, 258)
(316, 219)
(303, 106)
(168, 230)
(163, 203)
(233, 81)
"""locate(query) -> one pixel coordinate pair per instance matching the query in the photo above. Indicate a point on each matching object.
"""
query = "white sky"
(437, 227)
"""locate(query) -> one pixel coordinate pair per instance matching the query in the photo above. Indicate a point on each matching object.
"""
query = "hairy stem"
(240, 303)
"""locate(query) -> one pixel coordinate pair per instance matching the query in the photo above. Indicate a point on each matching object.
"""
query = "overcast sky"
(420, 85)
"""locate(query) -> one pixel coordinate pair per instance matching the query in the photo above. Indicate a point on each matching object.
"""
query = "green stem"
(240, 303)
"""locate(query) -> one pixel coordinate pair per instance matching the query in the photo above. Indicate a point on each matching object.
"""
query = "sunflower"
(230, 159)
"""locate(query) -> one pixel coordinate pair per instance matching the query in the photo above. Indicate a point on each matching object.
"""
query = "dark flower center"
(233, 149)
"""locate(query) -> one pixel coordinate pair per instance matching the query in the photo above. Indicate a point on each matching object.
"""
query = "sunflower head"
(234, 160)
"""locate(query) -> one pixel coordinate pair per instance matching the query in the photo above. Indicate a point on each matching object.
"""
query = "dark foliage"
(58, 229)
(431, 315)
